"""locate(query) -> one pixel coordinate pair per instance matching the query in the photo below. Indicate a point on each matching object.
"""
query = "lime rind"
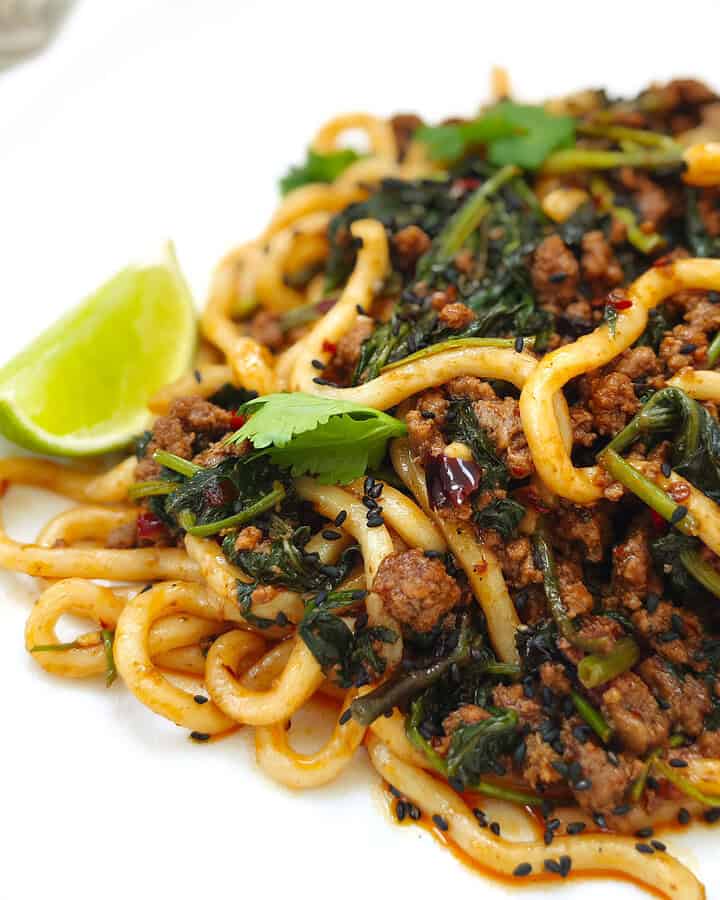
(81, 388)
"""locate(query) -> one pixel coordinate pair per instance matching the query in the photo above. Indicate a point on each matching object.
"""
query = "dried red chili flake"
(618, 299)
(662, 261)
(237, 421)
(679, 491)
(450, 481)
(465, 184)
(149, 526)
(329, 346)
(660, 526)
(326, 305)
(218, 492)
(4, 485)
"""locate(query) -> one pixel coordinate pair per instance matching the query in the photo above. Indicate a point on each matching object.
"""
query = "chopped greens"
(318, 167)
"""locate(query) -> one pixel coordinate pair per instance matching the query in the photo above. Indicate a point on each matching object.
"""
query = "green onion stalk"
(713, 354)
(683, 784)
(591, 716)
(645, 243)
(595, 670)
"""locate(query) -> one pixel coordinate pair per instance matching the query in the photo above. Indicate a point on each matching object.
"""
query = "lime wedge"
(82, 387)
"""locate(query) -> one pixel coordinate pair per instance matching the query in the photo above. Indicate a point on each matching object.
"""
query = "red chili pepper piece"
(237, 421)
(149, 526)
(329, 346)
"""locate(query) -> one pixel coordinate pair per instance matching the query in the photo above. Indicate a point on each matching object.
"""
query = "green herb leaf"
(333, 439)
(318, 167)
(514, 133)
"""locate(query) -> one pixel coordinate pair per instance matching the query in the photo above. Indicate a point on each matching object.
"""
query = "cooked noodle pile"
(517, 596)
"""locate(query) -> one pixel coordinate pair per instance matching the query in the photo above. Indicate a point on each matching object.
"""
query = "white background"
(174, 118)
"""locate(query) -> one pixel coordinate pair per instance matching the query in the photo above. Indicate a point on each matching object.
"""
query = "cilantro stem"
(591, 716)
(638, 787)
(52, 648)
(176, 463)
(523, 798)
(187, 518)
(684, 784)
(110, 670)
(646, 490)
(153, 488)
(701, 571)
(545, 561)
(714, 351)
(577, 158)
(596, 669)
(455, 344)
(643, 242)
(619, 133)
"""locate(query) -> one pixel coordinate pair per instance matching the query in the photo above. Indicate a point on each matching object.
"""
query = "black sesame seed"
(440, 822)
(712, 815)
(197, 375)
(652, 601)
(481, 817)
(678, 624)
(200, 698)
(394, 791)
(557, 277)
(560, 767)
(552, 865)
(369, 503)
(199, 736)
(456, 783)
(317, 364)
(324, 381)
(331, 535)
(683, 816)
(575, 771)
(565, 866)
(548, 837)
(583, 785)
(340, 517)
(658, 845)
(666, 469)
(678, 763)
(146, 588)
(345, 717)
(553, 824)
(281, 619)
(374, 520)
(622, 810)
(663, 703)
(689, 347)
(360, 309)
(678, 515)
(433, 554)
(400, 810)
(547, 807)
(613, 758)
(713, 296)
(414, 812)
(427, 414)
(368, 484)
(667, 637)
(388, 714)
(599, 820)
(652, 783)
(520, 752)
(522, 870)
(644, 848)
(581, 733)
(644, 832)
(495, 828)
(375, 490)
(576, 827)
(519, 344)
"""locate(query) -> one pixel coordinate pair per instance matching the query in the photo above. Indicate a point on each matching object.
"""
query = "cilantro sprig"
(335, 440)
(515, 134)
(317, 167)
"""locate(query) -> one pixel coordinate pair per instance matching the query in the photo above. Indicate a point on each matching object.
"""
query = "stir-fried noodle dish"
(450, 456)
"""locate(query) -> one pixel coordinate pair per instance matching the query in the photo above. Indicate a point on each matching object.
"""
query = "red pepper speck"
(237, 421)
(329, 346)
(658, 523)
(149, 526)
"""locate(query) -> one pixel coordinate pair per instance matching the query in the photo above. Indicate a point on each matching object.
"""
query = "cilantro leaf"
(333, 439)
(515, 134)
(317, 167)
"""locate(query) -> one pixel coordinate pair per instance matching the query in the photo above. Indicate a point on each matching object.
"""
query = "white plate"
(148, 120)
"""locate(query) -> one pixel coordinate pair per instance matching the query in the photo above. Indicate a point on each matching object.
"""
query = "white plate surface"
(174, 118)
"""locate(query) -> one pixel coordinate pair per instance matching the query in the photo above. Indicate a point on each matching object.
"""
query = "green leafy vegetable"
(515, 134)
(333, 439)
(475, 749)
(502, 515)
(462, 425)
(701, 243)
(318, 167)
(351, 655)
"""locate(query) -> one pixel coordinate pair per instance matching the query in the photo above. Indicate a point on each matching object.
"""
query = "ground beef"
(265, 327)
(582, 427)
(598, 263)
(638, 363)
(603, 629)
(553, 676)
(424, 424)
(220, 451)
(576, 598)
(610, 398)
(633, 576)
(688, 698)
(685, 345)
(346, 356)
(709, 744)
(248, 538)
(469, 714)
(513, 697)
(501, 420)
(655, 627)
(408, 245)
(634, 714)
(456, 316)
(555, 273)
(608, 782)
(123, 537)
(404, 126)
(516, 560)
(415, 590)
(709, 209)
(190, 426)
(538, 769)
(582, 528)
(468, 387)
(652, 202)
